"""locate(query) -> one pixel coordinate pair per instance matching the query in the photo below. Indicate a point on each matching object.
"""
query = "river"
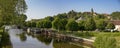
(20, 39)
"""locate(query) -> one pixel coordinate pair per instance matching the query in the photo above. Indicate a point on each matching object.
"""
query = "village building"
(117, 24)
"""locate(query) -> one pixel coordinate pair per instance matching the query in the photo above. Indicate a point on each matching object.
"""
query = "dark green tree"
(72, 25)
(59, 24)
(72, 14)
(49, 18)
(9, 10)
(101, 24)
(110, 26)
(90, 24)
(81, 25)
(47, 24)
(116, 15)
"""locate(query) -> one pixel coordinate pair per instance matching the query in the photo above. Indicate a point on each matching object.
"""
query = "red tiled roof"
(116, 22)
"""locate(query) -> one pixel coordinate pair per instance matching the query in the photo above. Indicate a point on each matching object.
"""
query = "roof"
(116, 22)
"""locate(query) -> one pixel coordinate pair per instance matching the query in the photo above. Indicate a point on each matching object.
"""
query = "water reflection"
(22, 39)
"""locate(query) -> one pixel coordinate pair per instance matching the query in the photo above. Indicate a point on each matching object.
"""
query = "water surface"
(20, 39)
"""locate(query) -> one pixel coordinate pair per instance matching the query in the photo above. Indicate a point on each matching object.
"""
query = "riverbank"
(4, 40)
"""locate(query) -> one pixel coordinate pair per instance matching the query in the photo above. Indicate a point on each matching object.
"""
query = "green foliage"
(110, 26)
(44, 24)
(10, 10)
(23, 37)
(105, 42)
(59, 24)
(101, 24)
(90, 24)
(39, 24)
(30, 24)
(47, 24)
(81, 25)
(61, 16)
(72, 14)
(116, 15)
(72, 25)
(84, 34)
(100, 16)
(49, 18)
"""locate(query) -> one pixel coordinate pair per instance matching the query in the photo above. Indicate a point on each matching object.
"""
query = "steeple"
(92, 11)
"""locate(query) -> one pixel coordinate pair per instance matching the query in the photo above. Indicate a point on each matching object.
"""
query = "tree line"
(75, 21)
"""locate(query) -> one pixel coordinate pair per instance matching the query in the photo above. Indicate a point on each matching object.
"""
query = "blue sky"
(41, 8)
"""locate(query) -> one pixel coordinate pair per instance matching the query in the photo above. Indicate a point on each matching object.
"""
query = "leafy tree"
(44, 24)
(56, 24)
(39, 24)
(116, 15)
(30, 24)
(90, 24)
(110, 26)
(61, 16)
(49, 18)
(47, 24)
(72, 14)
(101, 24)
(100, 16)
(9, 10)
(81, 25)
(59, 24)
(72, 25)
(64, 22)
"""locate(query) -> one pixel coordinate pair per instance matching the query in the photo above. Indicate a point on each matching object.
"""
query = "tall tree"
(59, 24)
(71, 14)
(110, 26)
(56, 24)
(10, 9)
(81, 25)
(90, 24)
(72, 25)
(116, 15)
(101, 24)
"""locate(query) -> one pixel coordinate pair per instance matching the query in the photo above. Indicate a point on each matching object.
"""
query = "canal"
(21, 39)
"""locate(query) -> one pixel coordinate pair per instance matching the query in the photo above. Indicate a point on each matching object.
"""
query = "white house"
(117, 24)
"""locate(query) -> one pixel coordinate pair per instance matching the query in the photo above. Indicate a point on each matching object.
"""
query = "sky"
(38, 9)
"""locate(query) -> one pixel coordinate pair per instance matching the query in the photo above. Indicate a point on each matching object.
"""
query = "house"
(81, 18)
(117, 24)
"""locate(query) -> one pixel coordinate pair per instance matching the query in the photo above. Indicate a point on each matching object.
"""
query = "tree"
(9, 10)
(64, 22)
(81, 25)
(90, 24)
(72, 25)
(39, 24)
(100, 24)
(110, 26)
(61, 16)
(49, 18)
(116, 15)
(44, 24)
(59, 24)
(72, 14)
(30, 24)
(47, 24)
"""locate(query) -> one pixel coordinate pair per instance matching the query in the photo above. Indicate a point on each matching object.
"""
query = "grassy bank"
(1, 31)
(4, 40)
